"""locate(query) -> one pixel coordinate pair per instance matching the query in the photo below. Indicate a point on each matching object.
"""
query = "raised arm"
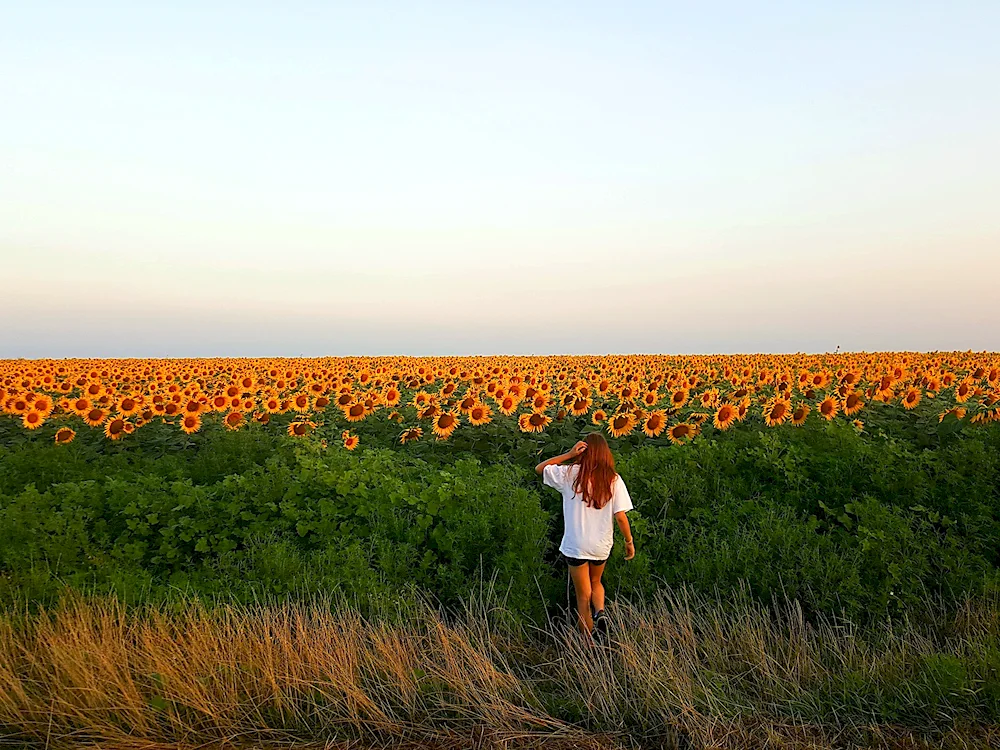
(576, 450)
(626, 530)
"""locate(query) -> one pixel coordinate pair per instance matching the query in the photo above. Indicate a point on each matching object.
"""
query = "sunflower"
(445, 423)
(300, 428)
(233, 420)
(799, 414)
(679, 397)
(963, 392)
(43, 404)
(94, 390)
(355, 412)
(680, 433)
(429, 412)
(884, 387)
(651, 398)
(507, 405)
(858, 425)
(911, 398)
(191, 423)
(17, 405)
(775, 412)
(580, 406)
(80, 406)
(655, 423)
(128, 406)
(742, 409)
(621, 424)
(65, 435)
(479, 414)
(853, 403)
(724, 417)
(32, 419)
(95, 416)
(828, 407)
(114, 428)
(599, 416)
(709, 398)
(411, 434)
(534, 422)
(958, 412)
(351, 442)
(540, 402)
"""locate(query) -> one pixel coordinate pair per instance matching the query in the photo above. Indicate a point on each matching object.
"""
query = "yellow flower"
(621, 424)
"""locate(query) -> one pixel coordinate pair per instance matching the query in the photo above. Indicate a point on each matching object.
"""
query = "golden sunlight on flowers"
(632, 397)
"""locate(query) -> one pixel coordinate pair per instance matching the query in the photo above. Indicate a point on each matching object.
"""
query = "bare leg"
(596, 587)
(581, 584)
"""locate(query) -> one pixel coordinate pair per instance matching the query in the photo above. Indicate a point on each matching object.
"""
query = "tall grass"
(685, 668)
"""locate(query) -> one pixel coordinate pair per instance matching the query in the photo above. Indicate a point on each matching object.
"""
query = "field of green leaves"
(862, 524)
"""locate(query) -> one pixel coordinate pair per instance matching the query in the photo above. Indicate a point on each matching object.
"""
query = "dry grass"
(711, 674)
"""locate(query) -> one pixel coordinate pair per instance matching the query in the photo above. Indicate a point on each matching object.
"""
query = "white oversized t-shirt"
(589, 533)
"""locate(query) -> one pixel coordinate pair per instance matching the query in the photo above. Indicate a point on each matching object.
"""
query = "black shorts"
(574, 562)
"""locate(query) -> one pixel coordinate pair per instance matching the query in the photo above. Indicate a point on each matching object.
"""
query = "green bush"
(855, 523)
(375, 518)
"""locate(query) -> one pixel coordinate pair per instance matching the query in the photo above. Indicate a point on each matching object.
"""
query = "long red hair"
(597, 474)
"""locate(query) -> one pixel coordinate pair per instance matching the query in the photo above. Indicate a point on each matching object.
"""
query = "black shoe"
(600, 624)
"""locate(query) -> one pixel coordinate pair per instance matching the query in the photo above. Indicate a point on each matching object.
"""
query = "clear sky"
(309, 178)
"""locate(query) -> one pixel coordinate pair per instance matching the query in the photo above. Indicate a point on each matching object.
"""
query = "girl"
(592, 494)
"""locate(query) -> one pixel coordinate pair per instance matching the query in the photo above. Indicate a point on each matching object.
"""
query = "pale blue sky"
(307, 178)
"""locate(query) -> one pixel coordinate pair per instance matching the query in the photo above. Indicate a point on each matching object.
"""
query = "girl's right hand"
(629, 550)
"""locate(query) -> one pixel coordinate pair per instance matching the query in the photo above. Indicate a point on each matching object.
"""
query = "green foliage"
(862, 524)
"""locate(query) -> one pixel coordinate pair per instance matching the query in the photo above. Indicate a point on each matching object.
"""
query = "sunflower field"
(662, 398)
(857, 483)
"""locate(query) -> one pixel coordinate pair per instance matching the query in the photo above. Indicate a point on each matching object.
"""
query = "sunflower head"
(115, 428)
(233, 420)
(680, 433)
(300, 427)
(828, 407)
(411, 434)
(724, 417)
(776, 412)
(621, 424)
(479, 414)
(65, 435)
(445, 423)
(32, 419)
(654, 423)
